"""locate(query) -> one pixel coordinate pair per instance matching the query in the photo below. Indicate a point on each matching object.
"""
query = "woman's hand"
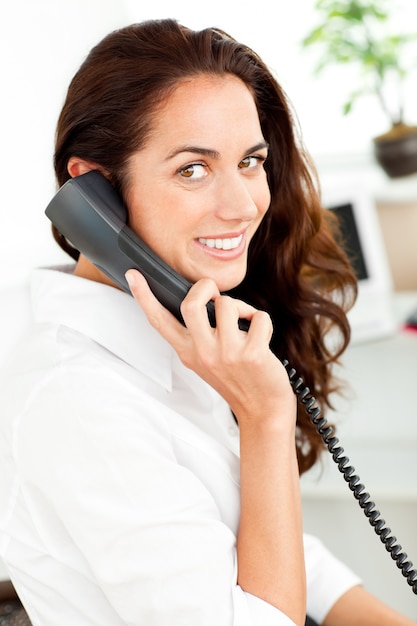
(238, 365)
(242, 368)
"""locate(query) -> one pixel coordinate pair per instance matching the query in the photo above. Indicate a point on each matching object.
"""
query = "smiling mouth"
(228, 243)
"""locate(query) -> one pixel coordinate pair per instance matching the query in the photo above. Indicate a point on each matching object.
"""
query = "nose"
(236, 200)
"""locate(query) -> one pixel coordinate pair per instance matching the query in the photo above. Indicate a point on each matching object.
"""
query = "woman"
(153, 468)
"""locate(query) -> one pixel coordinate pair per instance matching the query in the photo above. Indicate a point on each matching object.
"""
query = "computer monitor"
(372, 316)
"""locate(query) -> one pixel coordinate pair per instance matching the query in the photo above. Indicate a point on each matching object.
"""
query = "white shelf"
(362, 167)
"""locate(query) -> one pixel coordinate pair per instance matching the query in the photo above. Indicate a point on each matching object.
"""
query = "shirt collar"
(107, 315)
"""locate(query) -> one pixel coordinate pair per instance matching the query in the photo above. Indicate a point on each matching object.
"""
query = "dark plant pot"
(397, 155)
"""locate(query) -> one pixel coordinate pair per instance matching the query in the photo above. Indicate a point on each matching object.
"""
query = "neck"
(86, 269)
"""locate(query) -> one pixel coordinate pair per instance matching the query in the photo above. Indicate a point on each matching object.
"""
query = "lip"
(219, 253)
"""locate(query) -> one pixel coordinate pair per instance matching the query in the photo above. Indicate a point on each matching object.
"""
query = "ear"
(77, 166)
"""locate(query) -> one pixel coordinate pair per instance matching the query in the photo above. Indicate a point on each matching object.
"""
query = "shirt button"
(232, 431)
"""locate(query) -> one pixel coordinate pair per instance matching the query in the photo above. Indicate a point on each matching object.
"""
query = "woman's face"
(198, 190)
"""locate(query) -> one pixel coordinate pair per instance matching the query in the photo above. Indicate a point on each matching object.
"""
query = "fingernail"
(130, 279)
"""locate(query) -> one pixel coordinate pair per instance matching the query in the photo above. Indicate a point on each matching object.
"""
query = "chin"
(226, 278)
(228, 284)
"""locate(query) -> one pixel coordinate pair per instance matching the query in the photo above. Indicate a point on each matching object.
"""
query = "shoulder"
(60, 386)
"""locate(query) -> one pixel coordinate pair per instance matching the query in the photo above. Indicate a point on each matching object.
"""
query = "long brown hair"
(296, 270)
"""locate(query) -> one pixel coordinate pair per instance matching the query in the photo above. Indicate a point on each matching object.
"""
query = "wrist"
(272, 419)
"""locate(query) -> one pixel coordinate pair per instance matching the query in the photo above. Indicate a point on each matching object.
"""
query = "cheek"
(263, 199)
(143, 216)
(150, 231)
(159, 227)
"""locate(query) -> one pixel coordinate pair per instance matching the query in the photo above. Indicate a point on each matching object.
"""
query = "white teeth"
(229, 243)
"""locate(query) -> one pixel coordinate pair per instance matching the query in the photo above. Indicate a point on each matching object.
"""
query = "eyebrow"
(213, 154)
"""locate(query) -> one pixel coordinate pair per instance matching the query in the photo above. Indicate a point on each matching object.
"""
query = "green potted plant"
(353, 32)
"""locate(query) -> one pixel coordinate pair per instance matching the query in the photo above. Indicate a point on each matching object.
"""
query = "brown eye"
(251, 162)
(187, 172)
(193, 171)
(245, 163)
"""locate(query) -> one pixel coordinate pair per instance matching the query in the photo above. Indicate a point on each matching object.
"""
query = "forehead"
(206, 102)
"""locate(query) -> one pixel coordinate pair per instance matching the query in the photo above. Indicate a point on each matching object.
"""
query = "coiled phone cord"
(349, 474)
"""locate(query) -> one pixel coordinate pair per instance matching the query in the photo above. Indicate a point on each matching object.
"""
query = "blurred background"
(42, 44)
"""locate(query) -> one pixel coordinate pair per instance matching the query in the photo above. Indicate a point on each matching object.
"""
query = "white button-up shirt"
(119, 488)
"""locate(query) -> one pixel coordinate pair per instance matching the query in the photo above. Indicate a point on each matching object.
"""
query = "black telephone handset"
(89, 212)
(91, 215)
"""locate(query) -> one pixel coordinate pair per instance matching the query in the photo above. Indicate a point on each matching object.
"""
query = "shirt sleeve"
(149, 531)
(327, 578)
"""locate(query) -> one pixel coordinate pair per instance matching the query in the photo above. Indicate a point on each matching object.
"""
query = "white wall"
(42, 44)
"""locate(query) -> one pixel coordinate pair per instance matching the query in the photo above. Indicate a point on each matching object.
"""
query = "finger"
(241, 309)
(230, 310)
(261, 327)
(194, 309)
(158, 316)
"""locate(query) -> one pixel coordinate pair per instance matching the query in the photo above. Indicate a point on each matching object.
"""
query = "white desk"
(377, 427)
